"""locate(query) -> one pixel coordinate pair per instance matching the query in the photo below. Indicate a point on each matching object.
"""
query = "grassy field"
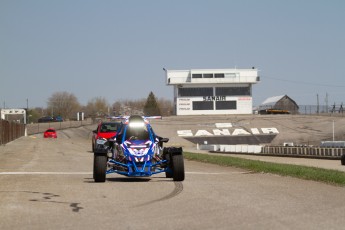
(328, 176)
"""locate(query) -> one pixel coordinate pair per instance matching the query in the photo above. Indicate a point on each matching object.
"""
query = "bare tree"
(130, 107)
(34, 114)
(166, 106)
(97, 106)
(117, 107)
(63, 104)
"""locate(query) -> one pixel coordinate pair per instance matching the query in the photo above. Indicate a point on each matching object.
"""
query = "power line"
(306, 83)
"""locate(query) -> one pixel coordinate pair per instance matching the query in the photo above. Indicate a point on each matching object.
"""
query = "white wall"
(236, 78)
(184, 106)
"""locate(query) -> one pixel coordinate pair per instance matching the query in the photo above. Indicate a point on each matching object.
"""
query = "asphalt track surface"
(47, 184)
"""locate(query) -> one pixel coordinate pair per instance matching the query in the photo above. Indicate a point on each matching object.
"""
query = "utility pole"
(317, 104)
(341, 108)
(27, 111)
(326, 100)
(333, 130)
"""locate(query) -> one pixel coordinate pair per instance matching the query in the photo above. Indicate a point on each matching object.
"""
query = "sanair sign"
(227, 132)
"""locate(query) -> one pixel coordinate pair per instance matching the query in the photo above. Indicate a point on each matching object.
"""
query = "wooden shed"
(279, 105)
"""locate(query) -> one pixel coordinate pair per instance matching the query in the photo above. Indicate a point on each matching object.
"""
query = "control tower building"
(212, 91)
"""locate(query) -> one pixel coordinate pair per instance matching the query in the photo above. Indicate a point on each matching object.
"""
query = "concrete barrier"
(209, 147)
(236, 148)
(304, 151)
(321, 152)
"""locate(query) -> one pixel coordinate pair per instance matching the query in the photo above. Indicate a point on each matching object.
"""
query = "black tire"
(342, 159)
(178, 167)
(99, 168)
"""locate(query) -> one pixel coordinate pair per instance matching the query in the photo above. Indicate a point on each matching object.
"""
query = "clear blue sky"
(117, 49)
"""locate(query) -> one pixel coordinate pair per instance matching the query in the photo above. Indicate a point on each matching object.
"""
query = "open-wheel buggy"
(136, 151)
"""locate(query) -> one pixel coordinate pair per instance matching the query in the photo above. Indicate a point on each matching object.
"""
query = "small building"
(212, 91)
(279, 105)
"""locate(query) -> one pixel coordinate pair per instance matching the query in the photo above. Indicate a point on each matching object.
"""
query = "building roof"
(208, 76)
(272, 100)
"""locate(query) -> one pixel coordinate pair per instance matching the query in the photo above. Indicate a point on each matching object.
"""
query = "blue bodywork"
(137, 151)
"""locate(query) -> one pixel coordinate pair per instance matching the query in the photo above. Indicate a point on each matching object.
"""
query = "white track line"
(217, 173)
(88, 173)
(45, 173)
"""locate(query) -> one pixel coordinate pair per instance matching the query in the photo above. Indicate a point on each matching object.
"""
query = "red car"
(50, 133)
(104, 130)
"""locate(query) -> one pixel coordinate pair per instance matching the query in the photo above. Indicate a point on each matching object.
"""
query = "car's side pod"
(168, 152)
(173, 151)
(163, 140)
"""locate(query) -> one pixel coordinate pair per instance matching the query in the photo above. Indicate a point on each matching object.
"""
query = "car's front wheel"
(99, 168)
(178, 167)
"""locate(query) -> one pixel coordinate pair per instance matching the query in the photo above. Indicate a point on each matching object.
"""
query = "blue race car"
(136, 151)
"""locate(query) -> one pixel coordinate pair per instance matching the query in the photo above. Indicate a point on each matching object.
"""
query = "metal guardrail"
(10, 131)
(41, 127)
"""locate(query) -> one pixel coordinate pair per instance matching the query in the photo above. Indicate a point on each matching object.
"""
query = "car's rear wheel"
(178, 167)
(99, 168)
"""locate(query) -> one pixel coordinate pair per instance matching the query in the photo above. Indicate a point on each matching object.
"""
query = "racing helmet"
(137, 128)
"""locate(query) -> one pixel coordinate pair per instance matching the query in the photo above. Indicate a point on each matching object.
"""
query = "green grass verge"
(303, 172)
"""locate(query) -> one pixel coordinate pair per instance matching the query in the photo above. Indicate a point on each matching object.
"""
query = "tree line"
(67, 106)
